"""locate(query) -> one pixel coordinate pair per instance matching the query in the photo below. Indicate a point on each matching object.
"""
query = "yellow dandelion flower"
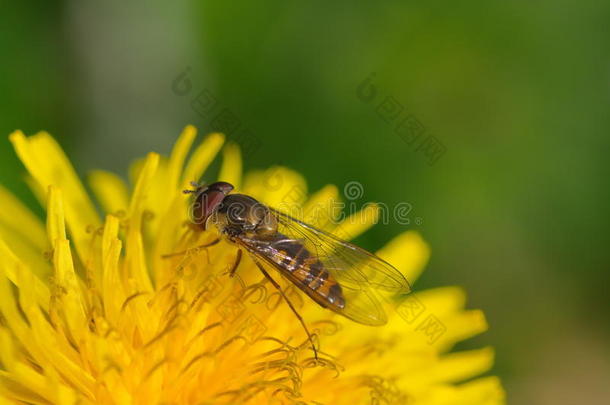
(92, 313)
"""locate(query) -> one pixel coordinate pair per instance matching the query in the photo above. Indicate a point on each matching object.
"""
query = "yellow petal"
(15, 322)
(323, 208)
(33, 257)
(461, 327)
(357, 223)
(145, 179)
(111, 233)
(24, 390)
(66, 278)
(484, 391)
(230, 171)
(408, 252)
(279, 187)
(48, 165)
(112, 284)
(461, 366)
(20, 220)
(135, 245)
(203, 155)
(110, 190)
(12, 267)
(24, 233)
(176, 160)
(443, 301)
(37, 189)
(8, 351)
(55, 216)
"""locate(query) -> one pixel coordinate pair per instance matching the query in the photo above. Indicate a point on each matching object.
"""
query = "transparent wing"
(363, 307)
(354, 267)
(360, 304)
(359, 273)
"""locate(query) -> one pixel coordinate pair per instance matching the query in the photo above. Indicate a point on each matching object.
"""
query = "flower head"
(97, 310)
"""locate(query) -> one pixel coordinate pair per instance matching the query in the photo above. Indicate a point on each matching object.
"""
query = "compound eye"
(205, 205)
(223, 187)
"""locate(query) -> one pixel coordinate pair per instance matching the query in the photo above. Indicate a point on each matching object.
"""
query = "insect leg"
(233, 269)
(279, 288)
(205, 245)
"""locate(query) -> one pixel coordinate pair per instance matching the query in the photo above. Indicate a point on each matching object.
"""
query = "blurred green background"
(518, 94)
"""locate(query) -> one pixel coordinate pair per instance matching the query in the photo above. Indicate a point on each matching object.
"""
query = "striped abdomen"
(298, 264)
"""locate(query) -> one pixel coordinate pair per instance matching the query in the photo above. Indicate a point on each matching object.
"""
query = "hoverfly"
(336, 274)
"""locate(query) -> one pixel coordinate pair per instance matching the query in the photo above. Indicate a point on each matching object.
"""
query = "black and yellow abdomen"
(306, 270)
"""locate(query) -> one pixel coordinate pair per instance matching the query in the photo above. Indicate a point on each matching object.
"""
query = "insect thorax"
(239, 214)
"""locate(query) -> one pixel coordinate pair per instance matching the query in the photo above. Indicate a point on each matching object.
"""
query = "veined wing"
(336, 274)
(351, 265)
(296, 264)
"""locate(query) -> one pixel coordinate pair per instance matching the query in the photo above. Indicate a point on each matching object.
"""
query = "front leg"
(233, 269)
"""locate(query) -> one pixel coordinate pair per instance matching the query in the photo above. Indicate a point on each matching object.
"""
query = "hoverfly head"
(207, 199)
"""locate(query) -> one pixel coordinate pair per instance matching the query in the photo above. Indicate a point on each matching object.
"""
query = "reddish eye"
(222, 186)
(208, 201)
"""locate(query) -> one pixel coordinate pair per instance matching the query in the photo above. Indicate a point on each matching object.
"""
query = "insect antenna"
(196, 188)
(279, 288)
